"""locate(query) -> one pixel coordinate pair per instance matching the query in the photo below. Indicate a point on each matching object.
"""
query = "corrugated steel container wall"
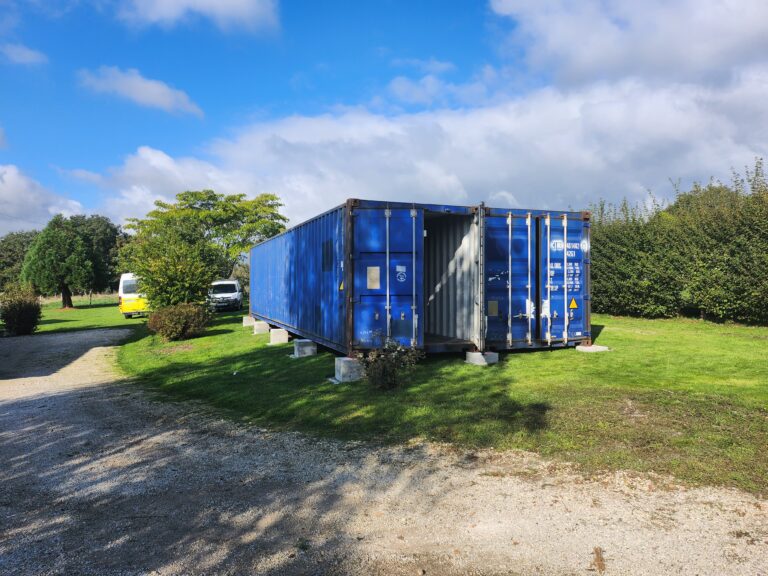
(549, 287)
(451, 276)
(296, 280)
(432, 276)
(388, 263)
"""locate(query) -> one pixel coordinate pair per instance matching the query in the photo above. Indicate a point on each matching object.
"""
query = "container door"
(509, 273)
(564, 255)
(388, 276)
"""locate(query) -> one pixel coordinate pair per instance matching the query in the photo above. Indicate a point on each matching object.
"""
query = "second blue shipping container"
(441, 278)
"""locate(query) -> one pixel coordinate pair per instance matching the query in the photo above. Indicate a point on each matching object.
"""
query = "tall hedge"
(706, 254)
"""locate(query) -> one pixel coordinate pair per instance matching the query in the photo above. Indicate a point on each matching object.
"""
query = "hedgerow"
(706, 254)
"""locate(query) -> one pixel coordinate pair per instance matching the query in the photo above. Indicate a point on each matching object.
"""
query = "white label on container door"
(374, 278)
(401, 275)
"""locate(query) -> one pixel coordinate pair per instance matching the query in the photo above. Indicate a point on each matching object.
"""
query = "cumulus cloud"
(131, 85)
(25, 204)
(252, 14)
(641, 93)
(551, 148)
(689, 40)
(151, 174)
(20, 54)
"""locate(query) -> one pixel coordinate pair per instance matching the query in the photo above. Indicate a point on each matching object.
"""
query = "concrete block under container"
(260, 327)
(303, 348)
(348, 369)
(278, 336)
(248, 321)
(482, 358)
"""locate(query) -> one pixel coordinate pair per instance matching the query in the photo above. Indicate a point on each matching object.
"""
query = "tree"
(180, 248)
(100, 236)
(231, 223)
(174, 267)
(58, 261)
(13, 248)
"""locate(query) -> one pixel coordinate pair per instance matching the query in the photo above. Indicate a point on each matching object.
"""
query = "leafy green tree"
(231, 223)
(180, 248)
(58, 261)
(13, 248)
(173, 265)
(100, 236)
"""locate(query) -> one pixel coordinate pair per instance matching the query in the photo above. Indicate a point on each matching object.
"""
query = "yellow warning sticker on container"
(573, 304)
(341, 286)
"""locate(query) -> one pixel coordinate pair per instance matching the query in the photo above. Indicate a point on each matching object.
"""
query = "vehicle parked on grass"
(130, 301)
(225, 295)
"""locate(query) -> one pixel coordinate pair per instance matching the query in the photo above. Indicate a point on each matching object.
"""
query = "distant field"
(682, 397)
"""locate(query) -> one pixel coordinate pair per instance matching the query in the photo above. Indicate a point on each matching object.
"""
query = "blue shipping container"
(442, 278)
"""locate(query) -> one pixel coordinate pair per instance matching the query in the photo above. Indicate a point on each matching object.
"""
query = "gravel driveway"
(99, 478)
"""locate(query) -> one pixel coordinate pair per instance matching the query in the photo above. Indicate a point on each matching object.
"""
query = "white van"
(225, 295)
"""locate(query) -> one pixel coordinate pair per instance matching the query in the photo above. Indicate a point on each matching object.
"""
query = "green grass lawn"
(101, 313)
(673, 396)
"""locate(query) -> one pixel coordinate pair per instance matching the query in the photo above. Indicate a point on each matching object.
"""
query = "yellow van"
(130, 302)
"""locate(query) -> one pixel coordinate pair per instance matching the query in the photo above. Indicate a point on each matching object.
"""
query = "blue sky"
(108, 105)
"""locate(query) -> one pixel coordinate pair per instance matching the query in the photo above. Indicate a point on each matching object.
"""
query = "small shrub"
(385, 367)
(178, 322)
(20, 309)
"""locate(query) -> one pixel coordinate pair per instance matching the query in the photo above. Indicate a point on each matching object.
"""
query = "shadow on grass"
(48, 321)
(439, 401)
(596, 330)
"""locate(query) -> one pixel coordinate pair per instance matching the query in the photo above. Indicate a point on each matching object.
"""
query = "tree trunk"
(66, 297)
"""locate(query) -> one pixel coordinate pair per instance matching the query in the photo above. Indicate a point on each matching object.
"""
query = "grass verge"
(682, 397)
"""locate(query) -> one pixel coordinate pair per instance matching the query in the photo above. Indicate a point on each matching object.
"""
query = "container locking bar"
(549, 283)
(414, 315)
(528, 302)
(509, 279)
(565, 278)
(387, 216)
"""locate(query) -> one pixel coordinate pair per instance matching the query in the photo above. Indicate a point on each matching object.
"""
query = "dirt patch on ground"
(98, 478)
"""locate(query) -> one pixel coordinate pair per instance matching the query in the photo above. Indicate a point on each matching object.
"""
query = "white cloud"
(151, 174)
(661, 39)
(426, 66)
(551, 148)
(429, 90)
(20, 54)
(131, 85)
(25, 204)
(251, 14)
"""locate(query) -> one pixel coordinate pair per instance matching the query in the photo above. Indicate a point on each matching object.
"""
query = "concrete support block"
(260, 327)
(278, 336)
(248, 321)
(348, 369)
(593, 348)
(303, 348)
(482, 358)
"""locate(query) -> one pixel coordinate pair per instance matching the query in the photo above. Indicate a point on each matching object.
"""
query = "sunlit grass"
(673, 396)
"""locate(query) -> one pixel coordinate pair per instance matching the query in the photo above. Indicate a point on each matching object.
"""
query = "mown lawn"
(99, 312)
(102, 312)
(682, 397)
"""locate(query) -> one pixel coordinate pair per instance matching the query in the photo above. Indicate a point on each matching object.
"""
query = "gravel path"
(98, 478)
